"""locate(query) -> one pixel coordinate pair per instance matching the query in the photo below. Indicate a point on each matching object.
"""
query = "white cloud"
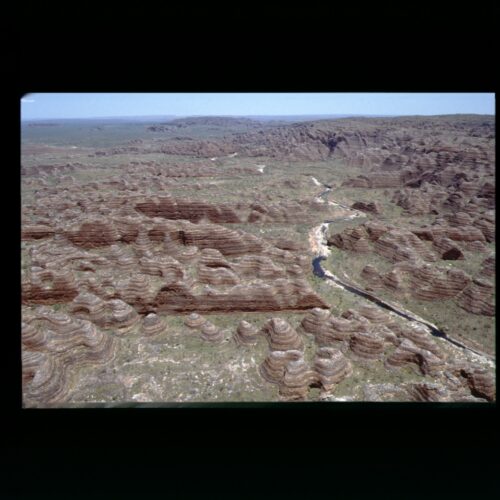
(27, 100)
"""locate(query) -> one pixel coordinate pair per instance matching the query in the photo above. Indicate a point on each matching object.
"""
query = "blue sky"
(69, 105)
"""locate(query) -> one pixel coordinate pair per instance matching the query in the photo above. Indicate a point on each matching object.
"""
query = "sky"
(69, 105)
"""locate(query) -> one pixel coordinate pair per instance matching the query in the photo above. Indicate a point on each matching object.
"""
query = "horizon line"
(341, 115)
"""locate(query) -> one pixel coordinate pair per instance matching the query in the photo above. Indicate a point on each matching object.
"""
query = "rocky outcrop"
(482, 383)
(281, 336)
(478, 297)
(50, 358)
(113, 314)
(273, 367)
(399, 245)
(372, 277)
(162, 265)
(36, 232)
(447, 249)
(297, 379)
(217, 276)
(353, 239)
(431, 283)
(211, 333)
(93, 234)
(258, 296)
(408, 352)
(331, 367)
(246, 333)
(49, 287)
(152, 324)
(367, 345)
(488, 267)
(329, 330)
(258, 266)
(429, 392)
(421, 337)
(194, 211)
(371, 207)
(44, 380)
(315, 321)
(227, 241)
(194, 320)
(375, 315)
(136, 290)
(486, 224)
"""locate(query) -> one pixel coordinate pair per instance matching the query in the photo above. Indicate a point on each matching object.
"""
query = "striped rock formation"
(459, 219)
(136, 290)
(315, 321)
(475, 246)
(465, 233)
(194, 211)
(482, 383)
(297, 379)
(211, 333)
(142, 243)
(273, 367)
(170, 247)
(331, 367)
(375, 314)
(371, 207)
(49, 287)
(121, 259)
(64, 335)
(43, 379)
(114, 314)
(372, 277)
(194, 320)
(281, 336)
(329, 330)
(408, 352)
(93, 234)
(217, 276)
(188, 254)
(50, 357)
(412, 202)
(421, 337)
(127, 227)
(246, 333)
(211, 257)
(282, 294)
(162, 265)
(375, 229)
(399, 245)
(447, 249)
(431, 283)
(367, 345)
(478, 297)
(486, 224)
(152, 324)
(488, 267)
(258, 266)
(227, 241)
(36, 232)
(32, 338)
(429, 392)
(353, 239)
